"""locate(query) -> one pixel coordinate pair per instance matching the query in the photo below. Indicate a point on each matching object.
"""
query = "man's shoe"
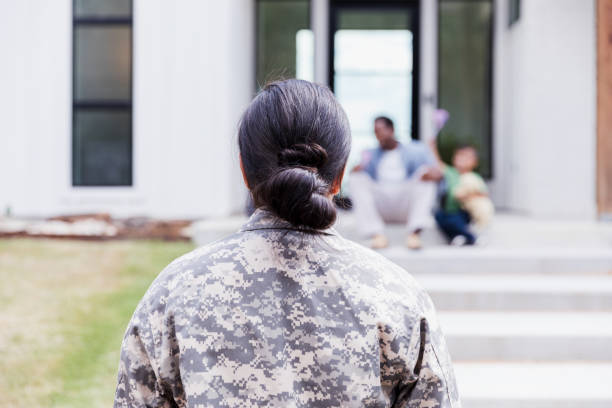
(413, 241)
(379, 241)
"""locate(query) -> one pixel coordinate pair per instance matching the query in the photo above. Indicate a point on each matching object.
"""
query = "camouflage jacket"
(273, 316)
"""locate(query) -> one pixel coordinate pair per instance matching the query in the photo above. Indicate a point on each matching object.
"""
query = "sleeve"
(430, 380)
(138, 382)
(366, 157)
(430, 157)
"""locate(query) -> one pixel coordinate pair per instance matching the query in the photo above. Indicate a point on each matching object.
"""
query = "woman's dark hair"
(294, 141)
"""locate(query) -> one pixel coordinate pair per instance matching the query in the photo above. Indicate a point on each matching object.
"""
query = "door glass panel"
(464, 83)
(284, 40)
(360, 19)
(373, 71)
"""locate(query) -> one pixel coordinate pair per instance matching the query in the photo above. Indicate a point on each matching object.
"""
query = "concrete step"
(507, 231)
(477, 260)
(537, 336)
(512, 244)
(519, 292)
(529, 385)
(517, 246)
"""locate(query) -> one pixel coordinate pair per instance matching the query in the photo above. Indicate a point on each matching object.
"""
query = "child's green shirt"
(451, 177)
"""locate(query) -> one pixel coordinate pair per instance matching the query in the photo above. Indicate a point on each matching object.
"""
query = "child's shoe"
(459, 240)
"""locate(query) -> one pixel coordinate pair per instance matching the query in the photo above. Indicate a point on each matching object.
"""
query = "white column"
(428, 67)
(500, 186)
(319, 22)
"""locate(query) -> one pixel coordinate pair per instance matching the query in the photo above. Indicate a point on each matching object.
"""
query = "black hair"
(387, 121)
(294, 141)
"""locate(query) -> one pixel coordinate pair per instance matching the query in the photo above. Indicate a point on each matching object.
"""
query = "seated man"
(393, 183)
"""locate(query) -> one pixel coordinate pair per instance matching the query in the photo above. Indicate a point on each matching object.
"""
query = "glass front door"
(373, 67)
(465, 77)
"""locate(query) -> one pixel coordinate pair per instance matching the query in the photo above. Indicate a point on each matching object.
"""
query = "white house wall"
(548, 114)
(193, 74)
(190, 104)
(35, 116)
(9, 112)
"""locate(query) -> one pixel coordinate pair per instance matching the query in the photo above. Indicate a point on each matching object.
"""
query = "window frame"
(124, 105)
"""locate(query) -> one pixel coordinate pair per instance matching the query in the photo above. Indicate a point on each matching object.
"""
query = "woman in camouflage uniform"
(286, 312)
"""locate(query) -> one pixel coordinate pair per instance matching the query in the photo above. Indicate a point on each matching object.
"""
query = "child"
(464, 196)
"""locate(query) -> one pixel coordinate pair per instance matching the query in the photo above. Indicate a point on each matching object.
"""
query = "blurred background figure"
(391, 184)
(463, 193)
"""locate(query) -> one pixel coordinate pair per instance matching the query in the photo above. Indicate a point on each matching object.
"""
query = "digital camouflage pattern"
(275, 317)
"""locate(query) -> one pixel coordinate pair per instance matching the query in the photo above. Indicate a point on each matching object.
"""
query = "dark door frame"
(412, 5)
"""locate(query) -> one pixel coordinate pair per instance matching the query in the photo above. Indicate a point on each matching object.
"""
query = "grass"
(66, 305)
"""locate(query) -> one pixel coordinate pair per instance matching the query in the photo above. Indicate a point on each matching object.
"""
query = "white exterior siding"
(35, 101)
(192, 76)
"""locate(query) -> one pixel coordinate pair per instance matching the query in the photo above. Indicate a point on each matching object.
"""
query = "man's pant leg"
(422, 197)
(369, 221)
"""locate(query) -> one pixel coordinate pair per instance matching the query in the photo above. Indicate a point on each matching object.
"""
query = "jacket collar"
(264, 219)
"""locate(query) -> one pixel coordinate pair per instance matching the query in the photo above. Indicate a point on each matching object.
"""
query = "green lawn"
(64, 308)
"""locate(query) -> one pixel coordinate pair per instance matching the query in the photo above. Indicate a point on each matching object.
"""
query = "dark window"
(284, 40)
(102, 93)
(514, 12)
(464, 82)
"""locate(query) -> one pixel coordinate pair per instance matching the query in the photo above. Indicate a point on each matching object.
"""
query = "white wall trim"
(319, 21)
(428, 67)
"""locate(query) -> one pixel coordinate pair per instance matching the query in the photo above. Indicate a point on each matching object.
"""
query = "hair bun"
(298, 195)
(304, 155)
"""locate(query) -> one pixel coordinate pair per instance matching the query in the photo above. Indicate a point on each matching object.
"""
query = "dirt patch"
(98, 226)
